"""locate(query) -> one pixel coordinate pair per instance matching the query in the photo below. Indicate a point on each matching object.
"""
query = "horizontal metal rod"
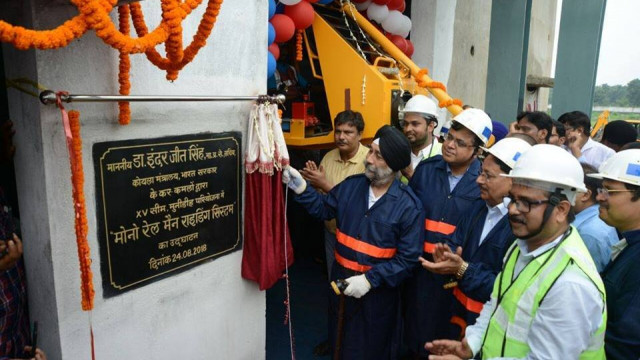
(48, 97)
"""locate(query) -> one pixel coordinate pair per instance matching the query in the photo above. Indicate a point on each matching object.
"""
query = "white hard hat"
(508, 150)
(477, 121)
(422, 105)
(623, 166)
(549, 167)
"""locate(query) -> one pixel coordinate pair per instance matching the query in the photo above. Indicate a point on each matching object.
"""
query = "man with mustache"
(548, 302)
(445, 184)
(482, 237)
(619, 199)
(420, 119)
(536, 124)
(379, 236)
(345, 160)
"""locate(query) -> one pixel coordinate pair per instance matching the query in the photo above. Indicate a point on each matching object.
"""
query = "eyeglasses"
(487, 176)
(607, 192)
(458, 142)
(523, 205)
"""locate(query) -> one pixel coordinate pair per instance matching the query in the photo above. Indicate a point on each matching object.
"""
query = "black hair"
(522, 136)
(476, 140)
(349, 117)
(503, 166)
(636, 191)
(559, 128)
(591, 183)
(539, 119)
(576, 120)
(619, 132)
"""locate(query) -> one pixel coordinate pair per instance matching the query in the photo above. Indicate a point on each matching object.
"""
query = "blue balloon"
(272, 35)
(280, 8)
(272, 8)
(271, 64)
(325, 2)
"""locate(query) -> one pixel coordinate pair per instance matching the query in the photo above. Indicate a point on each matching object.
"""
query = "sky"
(619, 60)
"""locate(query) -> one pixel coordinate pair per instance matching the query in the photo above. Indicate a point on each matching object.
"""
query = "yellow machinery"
(361, 70)
(598, 128)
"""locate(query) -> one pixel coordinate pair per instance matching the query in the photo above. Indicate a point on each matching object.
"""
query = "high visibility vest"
(518, 300)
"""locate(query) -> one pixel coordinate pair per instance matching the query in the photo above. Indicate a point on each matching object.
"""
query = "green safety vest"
(436, 149)
(518, 300)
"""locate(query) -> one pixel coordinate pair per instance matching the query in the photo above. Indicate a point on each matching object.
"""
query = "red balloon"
(381, 2)
(301, 13)
(400, 42)
(394, 4)
(274, 49)
(312, 1)
(402, 7)
(409, 51)
(284, 27)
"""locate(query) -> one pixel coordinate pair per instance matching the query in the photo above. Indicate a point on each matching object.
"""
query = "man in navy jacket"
(482, 237)
(619, 199)
(379, 237)
(446, 187)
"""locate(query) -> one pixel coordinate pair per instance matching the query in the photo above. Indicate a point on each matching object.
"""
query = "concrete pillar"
(541, 45)
(470, 57)
(206, 312)
(451, 39)
(577, 60)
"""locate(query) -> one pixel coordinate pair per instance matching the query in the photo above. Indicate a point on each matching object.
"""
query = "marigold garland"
(77, 179)
(174, 61)
(94, 14)
(124, 117)
(422, 72)
(299, 45)
(449, 102)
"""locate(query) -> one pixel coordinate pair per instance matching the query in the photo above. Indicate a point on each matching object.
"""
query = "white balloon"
(406, 24)
(290, 2)
(363, 6)
(393, 23)
(377, 12)
(404, 34)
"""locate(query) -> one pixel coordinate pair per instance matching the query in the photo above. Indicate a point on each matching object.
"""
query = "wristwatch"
(461, 270)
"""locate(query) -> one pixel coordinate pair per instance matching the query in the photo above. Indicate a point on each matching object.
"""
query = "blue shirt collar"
(586, 214)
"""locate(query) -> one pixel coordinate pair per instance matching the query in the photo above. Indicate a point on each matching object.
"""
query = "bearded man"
(379, 238)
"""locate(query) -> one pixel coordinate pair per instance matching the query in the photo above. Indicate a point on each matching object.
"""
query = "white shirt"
(565, 321)
(594, 153)
(493, 217)
(372, 197)
(617, 248)
(415, 159)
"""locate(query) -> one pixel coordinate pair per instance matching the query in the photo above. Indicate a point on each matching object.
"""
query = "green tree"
(633, 92)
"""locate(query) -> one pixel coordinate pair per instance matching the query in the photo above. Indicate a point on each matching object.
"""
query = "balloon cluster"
(388, 15)
(284, 19)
